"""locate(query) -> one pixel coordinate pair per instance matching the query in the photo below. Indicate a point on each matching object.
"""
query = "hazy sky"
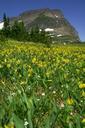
(74, 10)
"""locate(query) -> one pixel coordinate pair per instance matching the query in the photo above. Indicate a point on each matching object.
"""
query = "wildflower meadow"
(41, 86)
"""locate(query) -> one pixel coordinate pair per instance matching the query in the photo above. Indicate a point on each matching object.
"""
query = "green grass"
(42, 87)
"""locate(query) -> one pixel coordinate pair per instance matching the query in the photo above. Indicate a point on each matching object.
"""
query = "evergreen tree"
(42, 36)
(18, 31)
(34, 34)
(6, 28)
(6, 21)
(14, 30)
(23, 33)
(2, 37)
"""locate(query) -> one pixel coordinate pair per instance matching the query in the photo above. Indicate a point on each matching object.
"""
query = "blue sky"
(74, 10)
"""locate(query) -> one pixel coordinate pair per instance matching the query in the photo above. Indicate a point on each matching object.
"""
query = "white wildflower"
(43, 94)
(38, 99)
(62, 105)
(54, 92)
(26, 122)
(13, 94)
(50, 87)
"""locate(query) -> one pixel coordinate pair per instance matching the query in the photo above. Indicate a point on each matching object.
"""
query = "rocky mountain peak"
(52, 20)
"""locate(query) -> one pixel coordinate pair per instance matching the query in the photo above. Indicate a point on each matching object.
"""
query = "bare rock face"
(52, 20)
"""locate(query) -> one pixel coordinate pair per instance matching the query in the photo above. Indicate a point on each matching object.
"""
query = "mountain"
(51, 20)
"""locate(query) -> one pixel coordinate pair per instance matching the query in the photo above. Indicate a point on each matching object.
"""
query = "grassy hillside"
(42, 87)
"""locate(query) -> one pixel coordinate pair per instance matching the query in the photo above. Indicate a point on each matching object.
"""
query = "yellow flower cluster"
(9, 125)
(82, 86)
(83, 120)
(70, 101)
(47, 74)
(83, 93)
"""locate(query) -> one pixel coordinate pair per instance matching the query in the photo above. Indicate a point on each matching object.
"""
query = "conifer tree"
(6, 21)
(18, 31)
(6, 28)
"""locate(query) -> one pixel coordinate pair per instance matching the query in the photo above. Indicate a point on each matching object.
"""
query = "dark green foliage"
(40, 36)
(6, 21)
(2, 37)
(18, 32)
(6, 29)
(34, 34)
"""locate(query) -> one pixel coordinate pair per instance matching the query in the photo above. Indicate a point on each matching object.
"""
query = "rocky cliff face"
(51, 20)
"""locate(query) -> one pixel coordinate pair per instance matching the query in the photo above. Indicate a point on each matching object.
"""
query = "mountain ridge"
(48, 18)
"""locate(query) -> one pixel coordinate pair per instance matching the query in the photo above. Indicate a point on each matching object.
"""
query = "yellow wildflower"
(18, 61)
(83, 93)
(34, 60)
(9, 125)
(69, 101)
(66, 61)
(6, 126)
(5, 60)
(30, 71)
(82, 86)
(83, 120)
(41, 64)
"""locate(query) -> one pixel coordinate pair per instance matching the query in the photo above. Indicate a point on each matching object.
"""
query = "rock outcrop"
(51, 20)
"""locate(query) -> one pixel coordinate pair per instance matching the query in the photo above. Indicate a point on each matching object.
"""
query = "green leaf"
(2, 113)
(70, 125)
(47, 123)
(29, 119)
(18, 122)
(78, 121)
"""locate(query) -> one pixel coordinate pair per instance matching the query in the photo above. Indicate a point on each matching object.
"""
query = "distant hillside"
(52, 20)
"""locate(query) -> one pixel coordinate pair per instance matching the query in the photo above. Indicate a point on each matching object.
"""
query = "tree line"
(18, 32)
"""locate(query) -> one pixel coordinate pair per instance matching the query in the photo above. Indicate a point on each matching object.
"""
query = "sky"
(73, 10)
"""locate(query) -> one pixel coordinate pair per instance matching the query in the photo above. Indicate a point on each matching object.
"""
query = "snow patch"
(56, 16)
(40, 30)
(49, 30)
(52, 36)
(59, 35)
(1, 25)
(19, 21)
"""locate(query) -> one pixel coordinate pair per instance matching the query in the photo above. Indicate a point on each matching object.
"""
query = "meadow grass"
(40, 86)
